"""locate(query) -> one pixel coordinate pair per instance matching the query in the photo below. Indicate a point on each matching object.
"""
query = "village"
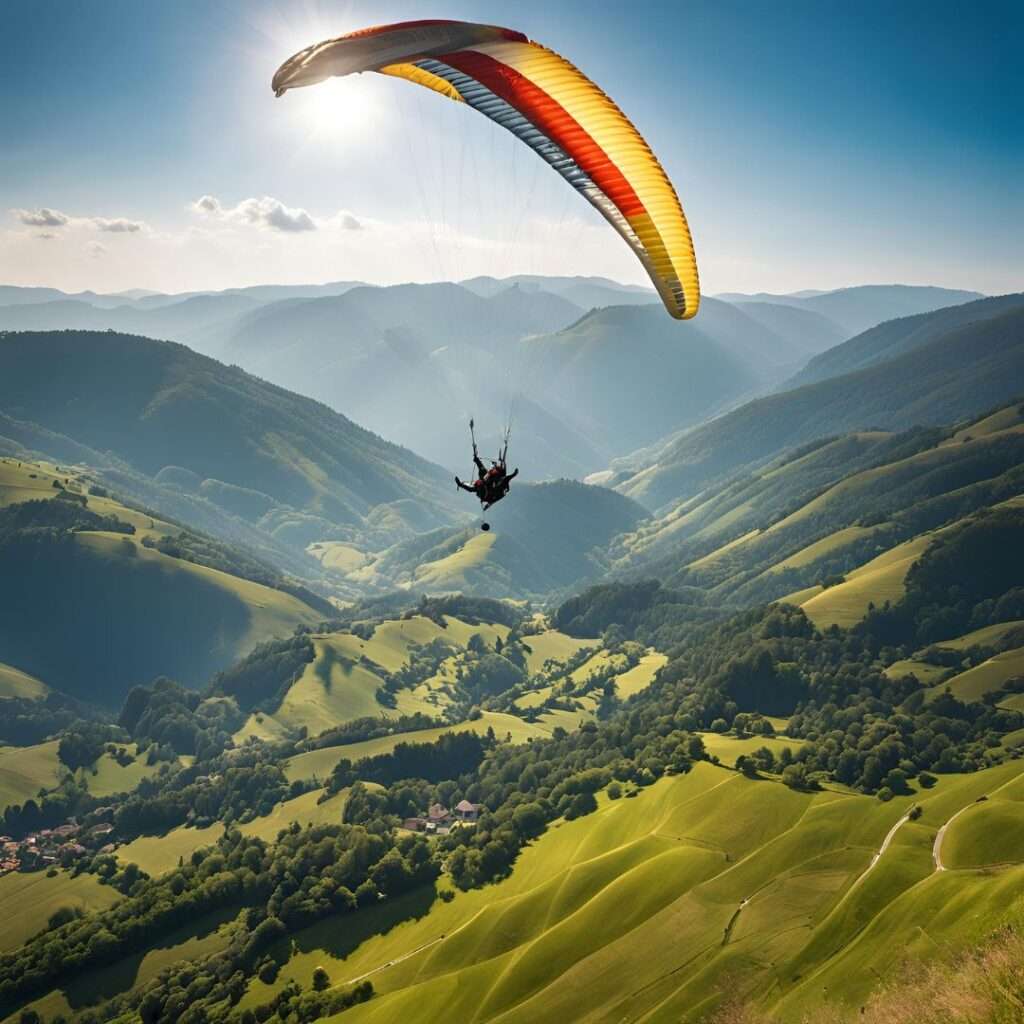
(56, 847)
(440, 821)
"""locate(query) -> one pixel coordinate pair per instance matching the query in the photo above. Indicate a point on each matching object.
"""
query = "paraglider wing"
(547, 103)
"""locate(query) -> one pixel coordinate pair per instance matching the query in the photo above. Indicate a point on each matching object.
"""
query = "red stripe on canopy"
(554, 120)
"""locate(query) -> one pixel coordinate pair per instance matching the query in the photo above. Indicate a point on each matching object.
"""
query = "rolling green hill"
(702, 878)
(959, 374)
(99, 607)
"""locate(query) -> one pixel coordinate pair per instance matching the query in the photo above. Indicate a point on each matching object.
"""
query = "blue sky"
(813, 145)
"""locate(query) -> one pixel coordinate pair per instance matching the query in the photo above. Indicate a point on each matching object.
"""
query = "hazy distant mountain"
(963, 371)
(585, 292)
(627, 375)
(858, 308)
(898, 336)
(804, 329)
(280, 461)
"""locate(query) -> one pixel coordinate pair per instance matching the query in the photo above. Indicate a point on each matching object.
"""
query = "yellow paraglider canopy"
(547, 103)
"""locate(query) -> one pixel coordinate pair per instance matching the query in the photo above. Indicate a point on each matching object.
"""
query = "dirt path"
(940, 835)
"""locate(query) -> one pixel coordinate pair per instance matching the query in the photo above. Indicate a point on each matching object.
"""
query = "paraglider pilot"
(491, 485)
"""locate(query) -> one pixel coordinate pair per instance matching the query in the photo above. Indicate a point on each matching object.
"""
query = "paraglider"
(491, 485)
(550, 106)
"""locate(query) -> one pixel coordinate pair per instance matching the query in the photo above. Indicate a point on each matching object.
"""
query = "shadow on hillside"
(194, 940)
(344, 934)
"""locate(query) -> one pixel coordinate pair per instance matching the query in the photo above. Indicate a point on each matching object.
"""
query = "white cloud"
(266, 212)
(118, 225)
(46, 235)
(42, 218)
(95, 250)
(347, 221)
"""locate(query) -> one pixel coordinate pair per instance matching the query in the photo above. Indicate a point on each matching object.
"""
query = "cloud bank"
(266, 212)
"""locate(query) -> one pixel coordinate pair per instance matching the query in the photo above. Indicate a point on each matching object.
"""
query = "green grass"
(451, 572)
(318, 764)
(305, 809)
(339, 686)
(29, 900)
(927, 675)
(157, 855)
(820, 548)
(633, 912)
(878, 581)
(988, 636)
(26, 770)
(728, 748)
(552, 644)
(640, 676)
(110, 777)
(988, 677)
(15, 683)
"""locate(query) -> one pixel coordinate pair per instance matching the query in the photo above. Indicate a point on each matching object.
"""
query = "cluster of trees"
(453, 755)
(53, 518)
(166, 714)
(308, 874)
(83, 744)
(263, 677)
(24, 721)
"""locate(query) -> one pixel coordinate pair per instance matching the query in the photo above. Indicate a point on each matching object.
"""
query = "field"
(318, 764)
(639, 677)
(925, 674)
(877, 581)
(26, 770)
(110, 777)
(15, 683)
(985, 637)
(728, 748)
(640, 910)
(554, 645)
(988, 677)
(304, 809)
(28, 901)
(157, 855)
(826, 546)
(450, 573)
(341, 683)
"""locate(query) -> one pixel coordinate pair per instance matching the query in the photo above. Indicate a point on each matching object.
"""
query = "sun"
(338, 109)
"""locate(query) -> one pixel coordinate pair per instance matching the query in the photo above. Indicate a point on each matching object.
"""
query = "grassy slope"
(640, 676)
(877, 581)
(628, 911)
(305, 809)
(15, 683)
(110, 777)
(728, 748)
(338, 686)
(30, 899)
(26, 770)
(985, 678)
(552, 645)
(113, 580)
(159, 854)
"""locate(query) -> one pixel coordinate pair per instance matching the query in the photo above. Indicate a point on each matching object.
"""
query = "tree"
(321, 979)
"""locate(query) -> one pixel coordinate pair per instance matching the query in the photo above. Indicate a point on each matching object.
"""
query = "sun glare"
(337, 109)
